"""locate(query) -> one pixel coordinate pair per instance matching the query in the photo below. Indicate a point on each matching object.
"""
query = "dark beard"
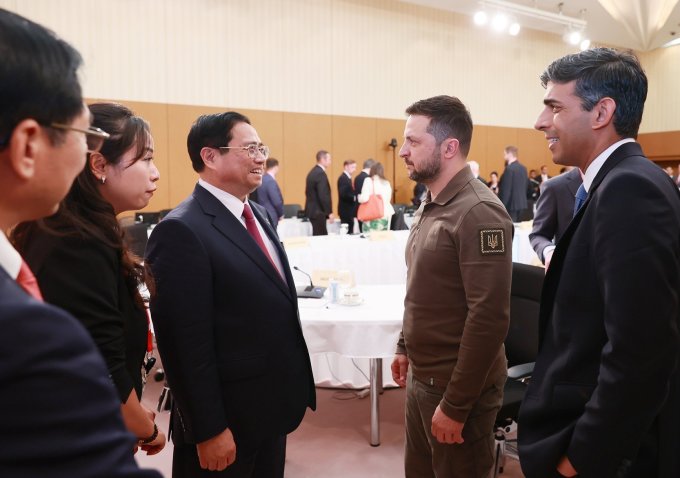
(430, 170)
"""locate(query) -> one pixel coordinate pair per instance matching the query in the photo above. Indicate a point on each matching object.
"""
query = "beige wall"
(320, 74)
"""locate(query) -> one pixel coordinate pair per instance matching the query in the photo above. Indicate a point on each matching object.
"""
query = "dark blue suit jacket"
(227, 327)
(269, 195)
(512, 188)
(60, 412)
(554, 210)
(605, 389)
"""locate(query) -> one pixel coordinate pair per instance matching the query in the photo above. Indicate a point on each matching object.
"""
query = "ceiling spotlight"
(499, 22)
(574, 38)
(481, 18)
(514, 29)
(585, 44)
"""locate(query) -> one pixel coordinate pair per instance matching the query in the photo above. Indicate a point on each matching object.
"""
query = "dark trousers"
(268, 461)
(319, 226)
(515, 214)
(426, 457)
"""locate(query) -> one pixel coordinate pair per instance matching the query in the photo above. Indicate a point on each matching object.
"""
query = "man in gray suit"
(554, 211)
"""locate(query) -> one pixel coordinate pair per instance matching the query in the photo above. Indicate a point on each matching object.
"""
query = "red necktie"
(254, 232)
(27, 281)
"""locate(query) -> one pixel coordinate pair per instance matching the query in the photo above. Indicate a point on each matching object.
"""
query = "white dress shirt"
(10, 259)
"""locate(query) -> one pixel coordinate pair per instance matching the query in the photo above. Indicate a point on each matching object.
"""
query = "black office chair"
(148, 218)
(291, 210)
(521, 349)
(398, 223)
(136, 237)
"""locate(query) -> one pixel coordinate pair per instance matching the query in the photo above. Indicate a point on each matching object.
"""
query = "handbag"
(372, 209)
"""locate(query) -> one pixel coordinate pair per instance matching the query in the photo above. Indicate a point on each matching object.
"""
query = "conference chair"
(521, 349)
(136, 237)
(148, 218)
(398, 223)
(291, 210)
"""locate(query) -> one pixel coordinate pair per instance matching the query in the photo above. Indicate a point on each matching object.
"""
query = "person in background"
(554, 211)
(347, 198)
(533, 188)
(603, 397)
(474, 167)
(544, 174)
(269, 195)
(359, 181)
(419, 194)
(318, 202)
(513, 184)
(377, 184)
(230, 336)
(450, 354)
(60, 414)
(493, 182)
(84, 266)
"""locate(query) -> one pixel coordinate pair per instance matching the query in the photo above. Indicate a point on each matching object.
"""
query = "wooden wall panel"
(661, 146)
(386, 129)
(352, 138)
(303, 136)
(534, 152)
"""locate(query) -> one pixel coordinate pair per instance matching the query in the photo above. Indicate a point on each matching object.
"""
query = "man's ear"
(604, 113)
(208, 155)
(97, 164)
(450, 147)
(26, 143)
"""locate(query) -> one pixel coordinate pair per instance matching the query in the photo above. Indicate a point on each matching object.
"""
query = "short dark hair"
(211, 131)
(605, 72)
(512, 150)
(449, 118)
(368, 163)
(347, 162)
(38, 76)
(271, 163)
(320, 154)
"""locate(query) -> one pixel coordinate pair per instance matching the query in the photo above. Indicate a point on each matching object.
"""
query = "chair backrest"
(291, 210)
(398, 223)
(136, 237)
(521, 344)
(147, 217)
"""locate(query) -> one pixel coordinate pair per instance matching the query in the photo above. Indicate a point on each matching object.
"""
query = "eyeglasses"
(252, 149)
(94, 136)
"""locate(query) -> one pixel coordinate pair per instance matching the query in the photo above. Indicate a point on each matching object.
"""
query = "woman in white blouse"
(377, 184)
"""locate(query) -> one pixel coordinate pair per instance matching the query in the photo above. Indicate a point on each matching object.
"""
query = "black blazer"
(554, 210)
(227, 327)
(318, 202)
(347, 199)
(605, 389)
(60, 413)
(513, 187)
(85, 278)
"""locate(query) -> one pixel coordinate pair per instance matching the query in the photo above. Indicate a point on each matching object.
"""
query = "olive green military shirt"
(457, 305)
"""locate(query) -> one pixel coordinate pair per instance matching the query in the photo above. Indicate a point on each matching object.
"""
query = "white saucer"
(344, 301)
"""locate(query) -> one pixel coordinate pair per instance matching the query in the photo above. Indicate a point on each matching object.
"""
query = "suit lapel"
(232, 228)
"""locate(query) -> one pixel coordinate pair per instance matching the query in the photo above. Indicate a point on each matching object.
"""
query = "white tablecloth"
(293, 227)
(342, 338)
(372, 262)
(521, 246)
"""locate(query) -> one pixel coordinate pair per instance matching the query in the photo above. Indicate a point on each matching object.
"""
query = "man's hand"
(548, 257)
(446, 430)
(218, 452)
(565, 468)
(399, 369)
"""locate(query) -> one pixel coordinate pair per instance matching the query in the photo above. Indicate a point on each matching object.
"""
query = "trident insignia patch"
(492, 241)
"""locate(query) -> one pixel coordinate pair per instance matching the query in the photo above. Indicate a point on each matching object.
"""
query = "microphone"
(309, 292)
(311, 283)
(393, 143)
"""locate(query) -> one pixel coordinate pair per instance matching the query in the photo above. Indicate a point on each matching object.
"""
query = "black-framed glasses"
(253, 150)
(94, 136)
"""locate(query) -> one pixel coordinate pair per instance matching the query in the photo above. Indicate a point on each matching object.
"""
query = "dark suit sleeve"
(61, 416)
(635, 242)
(323, 192)
(82, 278)
(345, 190)
(277, 198)
(545, 220)
(182, 313)
(504, 187)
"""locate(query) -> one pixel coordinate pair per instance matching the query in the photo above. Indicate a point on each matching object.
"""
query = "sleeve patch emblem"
(492, 241)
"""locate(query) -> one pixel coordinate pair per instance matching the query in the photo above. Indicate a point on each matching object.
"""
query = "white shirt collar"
(321, 166)
(10, 259)
(231, 202)
(597, 164)
(348, 174)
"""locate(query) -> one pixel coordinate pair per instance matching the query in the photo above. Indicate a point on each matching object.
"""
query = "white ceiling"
(640, 25)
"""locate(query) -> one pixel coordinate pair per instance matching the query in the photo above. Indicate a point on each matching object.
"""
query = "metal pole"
(375, 365)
